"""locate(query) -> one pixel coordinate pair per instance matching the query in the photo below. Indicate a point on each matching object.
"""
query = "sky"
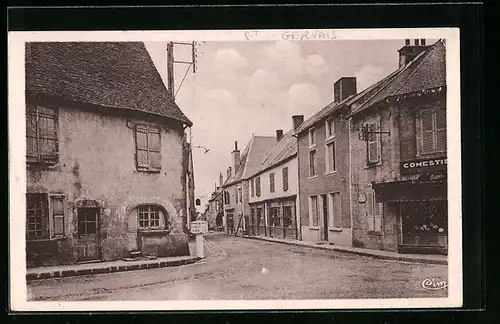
(244, 88)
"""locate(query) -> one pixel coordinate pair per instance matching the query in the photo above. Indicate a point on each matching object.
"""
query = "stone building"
(399, 187)
(106, 172)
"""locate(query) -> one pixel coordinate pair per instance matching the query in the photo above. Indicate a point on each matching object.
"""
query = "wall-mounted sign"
(423, 166)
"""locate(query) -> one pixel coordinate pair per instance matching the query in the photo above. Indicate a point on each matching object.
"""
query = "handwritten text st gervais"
(295, 35)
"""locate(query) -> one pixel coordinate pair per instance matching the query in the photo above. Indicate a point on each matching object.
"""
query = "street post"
(199, 228)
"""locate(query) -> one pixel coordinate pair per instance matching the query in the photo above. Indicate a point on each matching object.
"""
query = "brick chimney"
(228, 173)
(297, 121)
(236, 156)
(408, 52)
(221, 179)
(279, 135)
(343, 88)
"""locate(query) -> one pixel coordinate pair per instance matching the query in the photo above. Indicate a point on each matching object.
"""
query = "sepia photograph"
(235, 169)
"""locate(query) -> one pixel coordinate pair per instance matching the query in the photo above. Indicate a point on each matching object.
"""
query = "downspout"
(349, 125)
(298, 215)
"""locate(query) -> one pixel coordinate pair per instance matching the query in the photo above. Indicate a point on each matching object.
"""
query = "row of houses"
(108, 165)
(368, 170)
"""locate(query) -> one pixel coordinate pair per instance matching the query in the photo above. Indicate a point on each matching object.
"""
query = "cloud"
(263, 84)
(285, 57)
(305, 98)
(315, 65)
(230, 58)
(368, 75)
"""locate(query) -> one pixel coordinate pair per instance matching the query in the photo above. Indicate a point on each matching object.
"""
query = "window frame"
(328, 155)
(375, 211)
(313, 169)
(149, 220)
(252, 187)
(434, 131)
(313, 216)
(35, 110)
(333, 209)
(330, 128)
(258, 187)
(377, 140)
(312, 137)
(147, 129)
(239, 195)
(284, 175)
(272, 182)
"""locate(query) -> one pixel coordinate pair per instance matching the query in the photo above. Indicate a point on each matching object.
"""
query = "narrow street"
(239, 268)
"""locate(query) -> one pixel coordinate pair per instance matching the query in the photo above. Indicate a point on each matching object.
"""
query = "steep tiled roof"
(281, 151)
(251, 157)
(427, 71)
(334, 106)
(108, 74)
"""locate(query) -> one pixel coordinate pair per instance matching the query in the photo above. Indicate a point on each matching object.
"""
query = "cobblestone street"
(239, 268)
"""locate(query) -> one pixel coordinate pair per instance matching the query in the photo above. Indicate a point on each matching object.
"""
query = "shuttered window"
(257, 186)
(373, 147)
(432, 133)
(41, 134)
(271, 182)
(148, 157)
(285, 178)
(375, 212)
(252, 187)
(314, 210)
(37, 217)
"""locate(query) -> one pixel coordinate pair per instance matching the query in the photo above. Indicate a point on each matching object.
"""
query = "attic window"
(147, 142)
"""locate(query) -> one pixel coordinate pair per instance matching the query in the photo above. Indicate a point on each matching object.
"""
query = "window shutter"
(141, 142)
(440, 129)
(285, 179)
(427, 129)
(154, 148)
(378, 217)
(370, 201)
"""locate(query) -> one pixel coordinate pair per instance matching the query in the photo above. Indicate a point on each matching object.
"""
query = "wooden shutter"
(370, 200)
(252, 187)
(271, 182)
(440, 127)
(31, 132)
(141, 142)
(285, 178)
(154, 147)
(427, 130)
(47, 134)
(336, 209)
(379, 212)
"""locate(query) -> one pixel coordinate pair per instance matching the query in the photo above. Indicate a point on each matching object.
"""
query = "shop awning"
(410, 191)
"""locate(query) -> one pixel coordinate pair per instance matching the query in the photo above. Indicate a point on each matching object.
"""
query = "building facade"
(236, 188)
(105, 163)
(274, 188)
(323, 150)
(399, 162)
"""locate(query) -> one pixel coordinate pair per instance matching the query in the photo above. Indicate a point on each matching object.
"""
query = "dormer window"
(312, 137)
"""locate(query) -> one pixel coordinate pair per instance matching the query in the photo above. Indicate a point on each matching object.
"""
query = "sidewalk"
(109, 266)
(420, 258)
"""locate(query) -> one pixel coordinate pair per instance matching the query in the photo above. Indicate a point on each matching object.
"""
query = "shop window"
(287, 216)
(148, 145)
(274, 216)
(41, 134)
(149, 216)
(432, 130)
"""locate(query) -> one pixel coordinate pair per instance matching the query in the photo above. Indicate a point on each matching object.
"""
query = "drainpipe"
(349, 125)
(297, 211)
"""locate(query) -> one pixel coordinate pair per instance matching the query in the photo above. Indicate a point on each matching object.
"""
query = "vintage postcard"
(241, 169)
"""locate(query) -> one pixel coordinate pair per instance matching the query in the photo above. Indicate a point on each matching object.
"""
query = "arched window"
(198, 202)
(150, 217)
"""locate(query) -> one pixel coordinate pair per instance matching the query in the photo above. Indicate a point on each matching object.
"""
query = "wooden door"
(88, 243)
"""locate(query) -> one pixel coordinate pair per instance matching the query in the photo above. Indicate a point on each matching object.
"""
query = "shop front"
(423, 213)
(273, 218)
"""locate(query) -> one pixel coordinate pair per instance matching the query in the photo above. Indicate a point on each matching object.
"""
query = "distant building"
(105, 160)
(274, 188)
(235, 189)
(215, 212)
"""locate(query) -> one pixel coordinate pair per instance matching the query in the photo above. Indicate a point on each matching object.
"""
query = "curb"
(361, 253)
(110, 269)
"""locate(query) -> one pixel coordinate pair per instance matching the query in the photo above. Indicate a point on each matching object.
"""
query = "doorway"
(324, 200)
(88, 240)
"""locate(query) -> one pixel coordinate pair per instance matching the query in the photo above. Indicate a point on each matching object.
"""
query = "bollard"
(199, 246)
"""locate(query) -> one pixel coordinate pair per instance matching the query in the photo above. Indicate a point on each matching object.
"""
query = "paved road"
(239, 268)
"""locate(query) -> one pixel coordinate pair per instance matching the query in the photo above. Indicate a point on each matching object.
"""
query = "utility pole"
(171, 61)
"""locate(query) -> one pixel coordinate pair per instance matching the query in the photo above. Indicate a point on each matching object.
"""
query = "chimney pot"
(407, 42)
(408, 52)
(422, 42)
(416, 42)
(279, 134)
(297, 121)
(236, 145)
(343, 88)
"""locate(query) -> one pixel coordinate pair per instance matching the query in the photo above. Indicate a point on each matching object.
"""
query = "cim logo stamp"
(434, 284)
